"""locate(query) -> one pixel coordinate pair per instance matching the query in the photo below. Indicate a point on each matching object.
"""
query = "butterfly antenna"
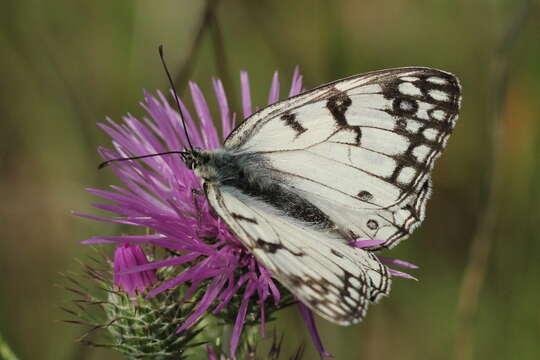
(162, 57)
(106, 163)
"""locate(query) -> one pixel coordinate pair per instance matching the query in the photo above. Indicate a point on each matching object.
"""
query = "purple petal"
(227, 294)
(157, 240)
(211, 353)
(275, 291)
(307, 316)
(161, 111)
(273, 96)
(233, 121)
(401, 274)
(226, 120)
(263, 294)
(208, 298)
(296, 83)
(366, 243)
(239, 324)
(209, 132)
(182, 278)
(104, 219)
(177, 260)
(396, 262)
(246, 94)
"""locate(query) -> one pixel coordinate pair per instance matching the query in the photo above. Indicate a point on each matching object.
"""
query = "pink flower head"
(126, 257)
(161, 194)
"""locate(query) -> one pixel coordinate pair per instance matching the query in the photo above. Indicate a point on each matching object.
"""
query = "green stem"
(5, 351)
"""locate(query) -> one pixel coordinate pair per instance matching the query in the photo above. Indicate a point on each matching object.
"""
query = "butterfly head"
(209, 165)
(193, 158)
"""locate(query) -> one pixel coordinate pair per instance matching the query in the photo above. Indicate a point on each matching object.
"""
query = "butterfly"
(351, 160)
(300, 179)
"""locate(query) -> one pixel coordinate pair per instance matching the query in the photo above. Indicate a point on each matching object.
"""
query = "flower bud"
(126, 257)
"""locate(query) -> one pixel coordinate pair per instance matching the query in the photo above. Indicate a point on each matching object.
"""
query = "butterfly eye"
(189, 160)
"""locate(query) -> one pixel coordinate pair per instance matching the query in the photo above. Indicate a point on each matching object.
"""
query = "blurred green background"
(64, 65)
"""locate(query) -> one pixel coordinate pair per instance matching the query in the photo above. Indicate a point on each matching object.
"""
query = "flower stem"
(5, 351)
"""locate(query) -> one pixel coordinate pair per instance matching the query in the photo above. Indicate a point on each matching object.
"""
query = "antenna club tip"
(102, 165)
(160, 49)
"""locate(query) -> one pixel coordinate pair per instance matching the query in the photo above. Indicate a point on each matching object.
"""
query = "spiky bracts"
(138, 327)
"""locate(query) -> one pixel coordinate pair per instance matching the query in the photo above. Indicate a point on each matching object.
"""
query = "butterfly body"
(251, 175)
(300, 179)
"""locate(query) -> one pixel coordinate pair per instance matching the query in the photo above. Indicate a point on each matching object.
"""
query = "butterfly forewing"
(363, 146)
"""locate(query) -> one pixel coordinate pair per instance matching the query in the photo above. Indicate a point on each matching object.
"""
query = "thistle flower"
(162, 195)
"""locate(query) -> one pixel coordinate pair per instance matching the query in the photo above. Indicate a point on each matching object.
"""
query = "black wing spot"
(290, 120)
(365, 195)
(338, 105)
(337, 253)
(372, 224)
(401, 124)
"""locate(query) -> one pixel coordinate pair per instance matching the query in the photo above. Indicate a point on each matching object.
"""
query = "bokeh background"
(64, 65)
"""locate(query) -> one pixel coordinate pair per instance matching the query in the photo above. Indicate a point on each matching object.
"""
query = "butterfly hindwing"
(335, 280)
(360, 149)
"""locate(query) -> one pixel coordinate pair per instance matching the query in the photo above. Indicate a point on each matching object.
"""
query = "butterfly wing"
(335, 280)
(360, 149)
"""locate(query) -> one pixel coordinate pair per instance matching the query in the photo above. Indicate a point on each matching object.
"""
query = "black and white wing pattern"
(331, 277)
(350, 160)
(359, 149)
